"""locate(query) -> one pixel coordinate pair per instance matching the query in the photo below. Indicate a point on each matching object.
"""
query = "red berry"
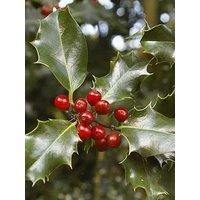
(80, 105)
(113, 140)
(121, 114)
(86, 117)
(84, 131)
(93, 97)
(98, 132)
(46, 10)
(62, 102)
(102, 107)
(101, 144)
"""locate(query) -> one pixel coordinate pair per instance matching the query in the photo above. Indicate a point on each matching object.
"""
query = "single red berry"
(46, 10)
(80, 105)
(93, 97)
(98, 132)
(121, 114)
(86, 117)
(84, 131)
(113, 140)
(102, 107)
(62, 102)
(101, 144)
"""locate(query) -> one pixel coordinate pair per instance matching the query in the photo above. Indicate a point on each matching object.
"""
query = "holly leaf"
(125, 72)
(166, 75)
(165, 158)
(166, 106)
(168, 179)
(159, 41)
(88, 145)
(145, 174)
(62, 47)
(149, 133)
(51, 144)
(159, 84)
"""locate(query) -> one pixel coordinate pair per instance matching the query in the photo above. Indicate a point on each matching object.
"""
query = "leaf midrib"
(160, 41)
(114, 85)
(145, 129)
(47, 149)
(63, 52)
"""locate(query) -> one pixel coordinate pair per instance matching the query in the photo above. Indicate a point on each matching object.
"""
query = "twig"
(112, 127)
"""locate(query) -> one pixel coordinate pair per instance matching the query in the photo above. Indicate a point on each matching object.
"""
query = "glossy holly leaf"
(125, 73)
(166, 106)
(159, 41)
(62, 47)
(160, 84)
(51, 144)
(88, 145)
(163, 72)
(168, 179)
(149, 132)
(144, 174)
(165, 158)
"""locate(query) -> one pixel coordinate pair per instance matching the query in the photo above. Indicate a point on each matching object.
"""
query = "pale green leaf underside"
(62, 47)
(149, 133)
(51, 144)
(122, 78)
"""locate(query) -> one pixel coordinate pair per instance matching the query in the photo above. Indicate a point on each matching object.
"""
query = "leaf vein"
(145, 129)
(49, 147)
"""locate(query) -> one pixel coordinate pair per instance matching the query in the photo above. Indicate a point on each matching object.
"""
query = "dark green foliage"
(140, 79)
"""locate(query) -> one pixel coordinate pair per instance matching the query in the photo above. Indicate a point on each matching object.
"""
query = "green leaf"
(166, 106)
(88, 145)
(159, 84)
(168, 179)
(51, 144)
(62, 47)
(125, 72)
(159, 41)
(166, 75)
(165, 158)
(149, 133)
(145, 174)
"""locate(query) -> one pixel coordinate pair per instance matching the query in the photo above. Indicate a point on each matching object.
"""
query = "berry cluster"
(86, 126)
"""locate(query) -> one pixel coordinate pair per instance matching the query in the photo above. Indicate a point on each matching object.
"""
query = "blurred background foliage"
(107, 25)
